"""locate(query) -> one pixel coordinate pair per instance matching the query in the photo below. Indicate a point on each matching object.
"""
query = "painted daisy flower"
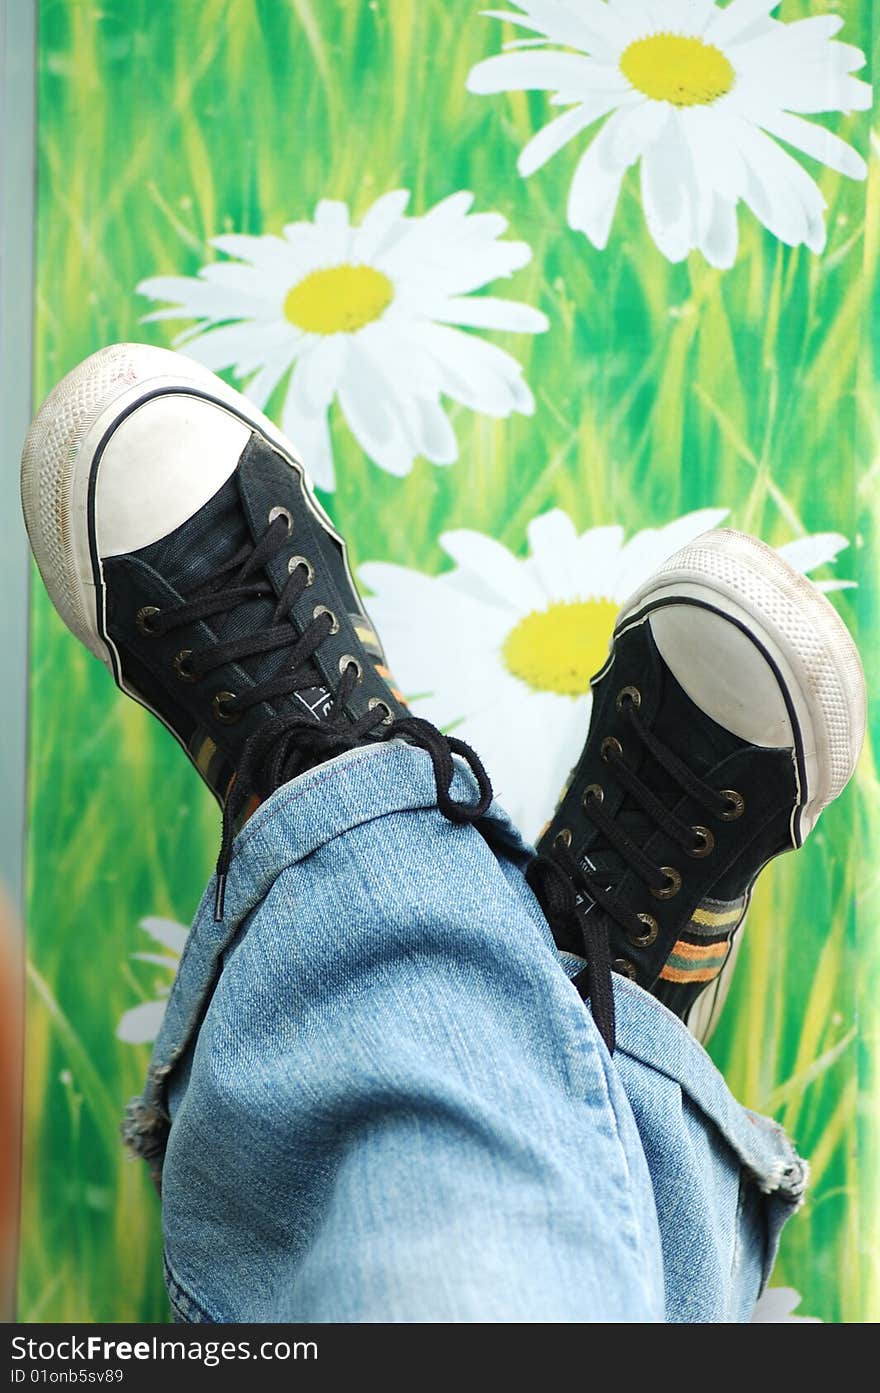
(372, 315)
(699, 95)
(140, 1025)
(502, 649)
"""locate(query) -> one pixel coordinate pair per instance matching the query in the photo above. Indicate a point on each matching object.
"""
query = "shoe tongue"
(690, 734)
(190, 558)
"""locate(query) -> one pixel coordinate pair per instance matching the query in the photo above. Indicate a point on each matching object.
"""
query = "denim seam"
(177, 1290)
(632, 1229)
(787, 1176)
(785, 1179)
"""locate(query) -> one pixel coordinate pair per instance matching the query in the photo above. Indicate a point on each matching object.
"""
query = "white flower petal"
(780, 193)
(453, 629)
(595, 189)
(816, 141)
(268, 252)
(379, 417)
(486, 312)
(309, 432)
(380, 223)
(820, 549)
(191, 297)
(474, 372)
(738, 18)
(156, 960)
(512, 586)
(719, 240)
(669, 195)
(437, 441)
(647, 550)
(551, 138)
(166, 931)
(686, 16)
(775, 1306)
(553, 543)
(528, 769)
(319, 372)
(588, 24)
(597, 563)
(807, 89)
(263, 288)
(533, 71)
(332, 215)
(141, 1024)
(261, 386)
(239, 346)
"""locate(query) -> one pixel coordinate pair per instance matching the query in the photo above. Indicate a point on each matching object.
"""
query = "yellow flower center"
(339, 300)
(678, 69)
(560, 648)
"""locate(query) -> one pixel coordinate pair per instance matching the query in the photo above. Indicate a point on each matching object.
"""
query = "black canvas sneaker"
(179, 538)
(731, 711)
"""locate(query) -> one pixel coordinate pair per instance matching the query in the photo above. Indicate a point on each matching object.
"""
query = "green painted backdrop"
(660, 388)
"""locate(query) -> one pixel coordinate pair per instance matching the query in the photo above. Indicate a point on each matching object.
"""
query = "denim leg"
(388, 1101)
(725, 1180)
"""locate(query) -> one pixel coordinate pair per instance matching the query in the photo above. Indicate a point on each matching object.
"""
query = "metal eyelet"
(672, 886)
(610, 747)
(593, 793)
(736, 805)
(222, 713)
(375, 702)
(705, 842)
(628, 696)
(279, 512)
(625, 968)
(294, 564)
(143, 619)
(347, 661)
(183, 668)
(322, 609)
(652, 928)
(562, 838)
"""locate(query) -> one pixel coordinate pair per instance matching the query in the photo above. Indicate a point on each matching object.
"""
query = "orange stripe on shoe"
(699, 952)
(703, 974)
(389, 678)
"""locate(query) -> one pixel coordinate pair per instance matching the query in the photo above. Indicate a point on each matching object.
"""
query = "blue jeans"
(387, 1102)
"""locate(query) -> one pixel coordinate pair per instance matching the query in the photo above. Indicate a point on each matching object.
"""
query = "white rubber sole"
(816, 661)
(58, 470)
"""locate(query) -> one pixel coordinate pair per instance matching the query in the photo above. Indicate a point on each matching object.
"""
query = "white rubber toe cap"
(161, 465)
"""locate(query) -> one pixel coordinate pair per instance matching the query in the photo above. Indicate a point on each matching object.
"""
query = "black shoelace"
(290, 742)
(574, 896)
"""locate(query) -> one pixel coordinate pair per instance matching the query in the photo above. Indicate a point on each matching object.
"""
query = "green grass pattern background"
(659, 389)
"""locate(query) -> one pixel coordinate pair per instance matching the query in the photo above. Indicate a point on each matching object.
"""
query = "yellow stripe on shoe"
(711, 918)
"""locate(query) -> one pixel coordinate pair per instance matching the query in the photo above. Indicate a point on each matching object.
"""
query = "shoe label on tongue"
(317, 701)
(589, 904)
